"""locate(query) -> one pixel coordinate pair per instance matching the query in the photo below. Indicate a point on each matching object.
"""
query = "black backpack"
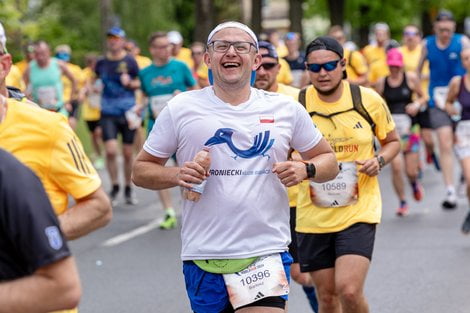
(357, 105)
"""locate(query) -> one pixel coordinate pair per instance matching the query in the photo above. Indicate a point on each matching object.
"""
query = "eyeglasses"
(267, 66)
(410, 33)
(197, 52)
(241, 47)
(328, 66)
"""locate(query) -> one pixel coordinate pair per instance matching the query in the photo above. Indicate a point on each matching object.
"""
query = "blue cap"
(272, 53)
(116, 31)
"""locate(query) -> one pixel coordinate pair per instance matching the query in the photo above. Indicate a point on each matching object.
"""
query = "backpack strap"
(358, 106)
(302, 95)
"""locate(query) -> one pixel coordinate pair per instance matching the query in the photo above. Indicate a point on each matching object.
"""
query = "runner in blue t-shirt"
(118, 72)
(443, 52)
(160, 81)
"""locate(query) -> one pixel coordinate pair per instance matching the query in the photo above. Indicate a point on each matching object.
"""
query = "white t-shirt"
(244, 211)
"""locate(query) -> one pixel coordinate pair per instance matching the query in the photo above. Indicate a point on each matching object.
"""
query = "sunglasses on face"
(267, 66)
(328, 66)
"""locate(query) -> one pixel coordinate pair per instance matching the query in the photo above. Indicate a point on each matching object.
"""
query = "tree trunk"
(364, 28)
(106, 12)
(336, 8)
(204, 19)
(256, 17)
(295, 16)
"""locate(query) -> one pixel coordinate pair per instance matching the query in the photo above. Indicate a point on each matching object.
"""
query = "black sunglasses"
(267, 66)
(328, 66)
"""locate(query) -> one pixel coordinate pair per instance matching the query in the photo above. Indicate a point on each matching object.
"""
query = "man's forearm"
(87, 215)
(326, 167)
(56, 288)
(154, 176)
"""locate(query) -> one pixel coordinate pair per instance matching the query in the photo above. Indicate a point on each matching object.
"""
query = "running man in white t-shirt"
(241, 222)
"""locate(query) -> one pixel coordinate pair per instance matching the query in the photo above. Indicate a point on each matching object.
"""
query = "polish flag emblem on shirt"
(266, 118)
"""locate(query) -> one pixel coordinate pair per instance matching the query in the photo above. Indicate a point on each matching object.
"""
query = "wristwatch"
(381, 161)
(311, 170)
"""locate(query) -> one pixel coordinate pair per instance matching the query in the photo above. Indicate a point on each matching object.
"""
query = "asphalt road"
(420, 264)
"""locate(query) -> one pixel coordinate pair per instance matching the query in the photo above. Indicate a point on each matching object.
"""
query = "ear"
(5, 65)
(257, 61)
(207, 59)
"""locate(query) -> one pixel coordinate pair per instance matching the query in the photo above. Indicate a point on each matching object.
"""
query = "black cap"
(444, 15)
(325, 43)
(272, 53)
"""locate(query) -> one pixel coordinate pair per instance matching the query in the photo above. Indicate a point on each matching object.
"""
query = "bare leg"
(351, 272)
(111, 147)
(324, 281)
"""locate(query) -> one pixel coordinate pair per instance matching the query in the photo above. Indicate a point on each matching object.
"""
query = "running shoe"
(466, 225)
(129, 195)
(450, 201)
(402, 209)
(435, 160)
(113, 195)
(418, 191)
(462, 187)
(99, 163)
(169, 222)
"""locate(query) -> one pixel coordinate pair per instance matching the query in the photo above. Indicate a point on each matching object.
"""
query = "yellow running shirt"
(411, 60)
(377, 61)
(43, 141)
(89, 113)
(356, 64)
(77, 74)
(350, 136)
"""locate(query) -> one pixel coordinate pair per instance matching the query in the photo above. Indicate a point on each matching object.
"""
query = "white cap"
(233, 24)
(175, 37)
(3, 38)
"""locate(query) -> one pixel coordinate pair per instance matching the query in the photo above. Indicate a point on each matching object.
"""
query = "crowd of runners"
(319, 122)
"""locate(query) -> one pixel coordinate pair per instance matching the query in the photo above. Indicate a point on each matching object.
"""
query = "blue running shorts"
(208, 294)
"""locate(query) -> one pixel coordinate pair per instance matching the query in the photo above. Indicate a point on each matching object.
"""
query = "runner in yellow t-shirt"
(90, 96)
(64, 53)
(356, 65)
(336, 220)
(178, 51)
(375, 53)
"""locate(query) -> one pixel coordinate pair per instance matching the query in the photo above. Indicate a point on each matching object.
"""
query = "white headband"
(3, 38)
(233, 24)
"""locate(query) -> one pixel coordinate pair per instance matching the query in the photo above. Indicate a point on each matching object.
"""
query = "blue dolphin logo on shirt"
(261, 144)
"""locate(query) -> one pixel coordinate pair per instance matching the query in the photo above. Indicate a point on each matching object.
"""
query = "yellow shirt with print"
(88, 112)
(293, 92)
(377, 61)
(411, 60)
(350, 143)
(77, 74)
(15, 78)
(356, 64)
(43, 141)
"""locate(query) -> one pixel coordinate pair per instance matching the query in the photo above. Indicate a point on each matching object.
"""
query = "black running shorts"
(320, 251)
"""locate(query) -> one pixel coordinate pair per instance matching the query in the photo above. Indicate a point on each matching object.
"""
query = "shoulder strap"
(302, 95)
(15, 93)
(358, 106)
